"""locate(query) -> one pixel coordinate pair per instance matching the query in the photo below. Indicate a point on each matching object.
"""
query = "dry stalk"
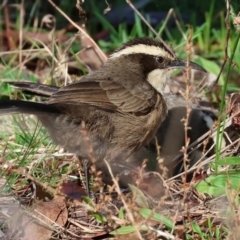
(24, 52)
(80, 29)
(54, 227)
(22, 171)
(87, 140)
(179, 26)
(21, 22)
(50, 22)
(196, 144)
(161, 233)
(118, 190)
(3, 4)
(208, 160)
(162, 167)
(169, 14)
(228, 27)
(150, 27)
(71, 166)
(187, 98)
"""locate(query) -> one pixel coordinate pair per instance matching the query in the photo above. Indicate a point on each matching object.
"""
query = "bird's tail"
(35, 88)
(17, 106)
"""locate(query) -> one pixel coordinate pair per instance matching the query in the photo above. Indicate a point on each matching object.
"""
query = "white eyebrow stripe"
(141, 48)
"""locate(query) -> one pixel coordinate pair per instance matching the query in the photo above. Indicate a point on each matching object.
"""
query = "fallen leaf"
(39, 222)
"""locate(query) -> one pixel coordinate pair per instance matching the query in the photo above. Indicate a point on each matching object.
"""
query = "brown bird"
(112, 112)
(171, 138)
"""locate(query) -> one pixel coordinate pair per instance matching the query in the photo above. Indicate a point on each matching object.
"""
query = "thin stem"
(224, 90)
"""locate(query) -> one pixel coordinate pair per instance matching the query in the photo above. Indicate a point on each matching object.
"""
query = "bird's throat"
(158, 79)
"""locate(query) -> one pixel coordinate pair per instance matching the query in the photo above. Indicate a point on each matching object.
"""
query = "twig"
(3, 4)
(224, 89)
(186, 120)
(81, 30)
(21, 22)
(170, 12)
(193, 146)
(227, 40)
(150, 27)
(207, 161)
(179, 26)
(161, 233)
(118, 190)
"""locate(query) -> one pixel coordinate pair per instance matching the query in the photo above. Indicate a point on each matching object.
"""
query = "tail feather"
(17, 106)
(35, 88)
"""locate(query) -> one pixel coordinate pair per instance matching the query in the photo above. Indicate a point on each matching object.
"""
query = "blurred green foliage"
(195, 9)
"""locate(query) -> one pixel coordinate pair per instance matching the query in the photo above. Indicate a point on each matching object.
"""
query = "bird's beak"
(179, 63)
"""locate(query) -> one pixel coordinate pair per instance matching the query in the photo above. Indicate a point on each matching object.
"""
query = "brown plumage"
(111, 112)
(171, 138)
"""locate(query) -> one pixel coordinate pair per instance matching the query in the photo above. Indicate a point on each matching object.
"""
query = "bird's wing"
(116, 90)
(104, 94)
(83, 92)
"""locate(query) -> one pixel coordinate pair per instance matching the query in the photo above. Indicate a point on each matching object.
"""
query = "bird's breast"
(154, 120)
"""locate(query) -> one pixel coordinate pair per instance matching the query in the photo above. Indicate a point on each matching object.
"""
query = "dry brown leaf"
(89, 55)
(39, 222)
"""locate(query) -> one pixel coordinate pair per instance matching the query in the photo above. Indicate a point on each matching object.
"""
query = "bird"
(171, 138)
(111, 112)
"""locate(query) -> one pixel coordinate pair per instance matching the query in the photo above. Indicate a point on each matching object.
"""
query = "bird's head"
(152, 59)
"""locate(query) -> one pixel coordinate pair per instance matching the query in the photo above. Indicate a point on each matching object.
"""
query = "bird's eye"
(159, 59)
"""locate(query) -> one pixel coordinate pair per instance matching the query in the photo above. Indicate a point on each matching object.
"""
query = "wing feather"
(102, 93)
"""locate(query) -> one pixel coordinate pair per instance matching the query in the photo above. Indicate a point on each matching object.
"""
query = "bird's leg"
(87, 174)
